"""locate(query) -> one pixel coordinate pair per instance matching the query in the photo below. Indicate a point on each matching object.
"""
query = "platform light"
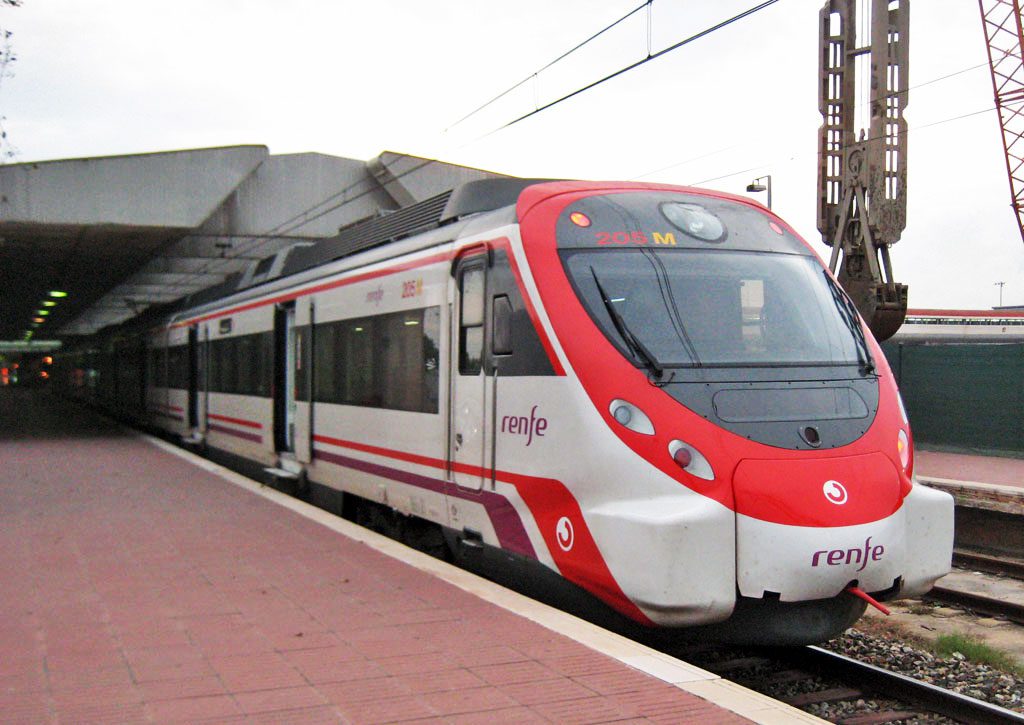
(49, 303)
(756, 186)
(42, 313)
(58, 293)
(38, 320)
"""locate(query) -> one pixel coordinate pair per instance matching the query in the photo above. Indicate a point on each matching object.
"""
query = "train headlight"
(903, 409)
(629, 416)
(903, 446)
(691, 460)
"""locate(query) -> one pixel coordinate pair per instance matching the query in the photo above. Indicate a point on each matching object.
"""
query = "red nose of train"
(810, 528)
(828, 492)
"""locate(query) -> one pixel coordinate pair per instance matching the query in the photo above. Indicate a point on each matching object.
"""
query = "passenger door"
(284, 378)
(468, 431)
(305, 318)
(192, 418)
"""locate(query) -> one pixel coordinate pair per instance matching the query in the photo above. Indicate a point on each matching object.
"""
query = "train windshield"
(690, 308)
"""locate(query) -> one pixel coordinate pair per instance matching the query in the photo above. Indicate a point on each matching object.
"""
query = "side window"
(501, 325)
(324, 385)
(471, 320)
(303, 359)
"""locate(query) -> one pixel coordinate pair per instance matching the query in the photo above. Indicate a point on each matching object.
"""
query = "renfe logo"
(522, 426)
(834, 492)
(564, 533)
(840, 557)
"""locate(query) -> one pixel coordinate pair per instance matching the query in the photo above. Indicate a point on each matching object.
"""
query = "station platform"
(974, 481)
(990, 470)
(139, 583)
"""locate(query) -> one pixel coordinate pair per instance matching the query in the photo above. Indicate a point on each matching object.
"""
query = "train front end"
(750, 467)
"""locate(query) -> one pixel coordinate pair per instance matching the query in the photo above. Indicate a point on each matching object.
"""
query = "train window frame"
(501, 325)
(471, 332)
(376, 362)
(226, 375)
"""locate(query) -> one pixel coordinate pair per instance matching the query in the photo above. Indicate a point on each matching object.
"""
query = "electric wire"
(303, 218)
(221, 265)
(642, 61)
(797, 156)
(761, 166)
(562, 57)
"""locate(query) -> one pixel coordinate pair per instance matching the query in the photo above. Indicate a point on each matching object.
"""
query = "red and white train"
(657, 393)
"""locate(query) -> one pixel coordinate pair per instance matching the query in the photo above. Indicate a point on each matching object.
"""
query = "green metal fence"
(966, 397)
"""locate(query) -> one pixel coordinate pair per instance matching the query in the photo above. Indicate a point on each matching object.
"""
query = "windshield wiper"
(848, 313)
(636, 348)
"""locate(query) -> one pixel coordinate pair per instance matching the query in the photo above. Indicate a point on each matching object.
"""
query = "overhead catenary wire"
(326, 206)
(939, 79)
(762, 166)
(301, 219)
(642, 61)
(563, 56)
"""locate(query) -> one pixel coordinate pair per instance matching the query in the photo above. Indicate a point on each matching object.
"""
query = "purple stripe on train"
(503, 515)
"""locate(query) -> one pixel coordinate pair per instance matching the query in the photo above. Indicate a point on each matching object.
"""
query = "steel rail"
(978, 602)
(989, 564)
(899, 687)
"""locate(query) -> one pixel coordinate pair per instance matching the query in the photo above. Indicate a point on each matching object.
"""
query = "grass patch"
(976, 651)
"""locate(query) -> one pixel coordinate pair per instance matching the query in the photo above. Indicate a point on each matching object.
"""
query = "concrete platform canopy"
(118, 234)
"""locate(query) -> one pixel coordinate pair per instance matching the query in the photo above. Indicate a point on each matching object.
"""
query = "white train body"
(461, 376)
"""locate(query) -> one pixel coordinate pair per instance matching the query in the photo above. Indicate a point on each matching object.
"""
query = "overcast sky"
(352, 79)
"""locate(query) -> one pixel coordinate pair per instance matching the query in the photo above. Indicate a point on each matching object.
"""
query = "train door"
(305, 318)
(468, 433)
(284, 378)
(193, 378)
(204, 381)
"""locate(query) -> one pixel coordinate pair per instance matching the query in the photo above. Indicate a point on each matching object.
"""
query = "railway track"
(978, 603)
(843, 690)
(1001, 565)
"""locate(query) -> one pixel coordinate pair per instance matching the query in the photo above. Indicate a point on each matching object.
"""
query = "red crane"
(1004, 35)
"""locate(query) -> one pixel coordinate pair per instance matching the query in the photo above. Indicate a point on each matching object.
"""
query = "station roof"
(118, 234)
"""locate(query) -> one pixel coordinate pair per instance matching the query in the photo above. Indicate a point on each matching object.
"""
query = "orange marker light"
(579, 219)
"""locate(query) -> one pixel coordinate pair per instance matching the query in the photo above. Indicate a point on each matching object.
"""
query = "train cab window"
(689, 308)
(471, 320)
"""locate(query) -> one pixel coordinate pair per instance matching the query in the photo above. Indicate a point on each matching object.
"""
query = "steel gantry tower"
(862, 175)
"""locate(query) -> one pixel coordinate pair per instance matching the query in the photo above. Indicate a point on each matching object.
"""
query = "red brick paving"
(139, 588)
(970, 468)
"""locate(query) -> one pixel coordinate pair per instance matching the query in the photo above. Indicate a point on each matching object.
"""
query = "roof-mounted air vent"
(270, 267)
(484, 195)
